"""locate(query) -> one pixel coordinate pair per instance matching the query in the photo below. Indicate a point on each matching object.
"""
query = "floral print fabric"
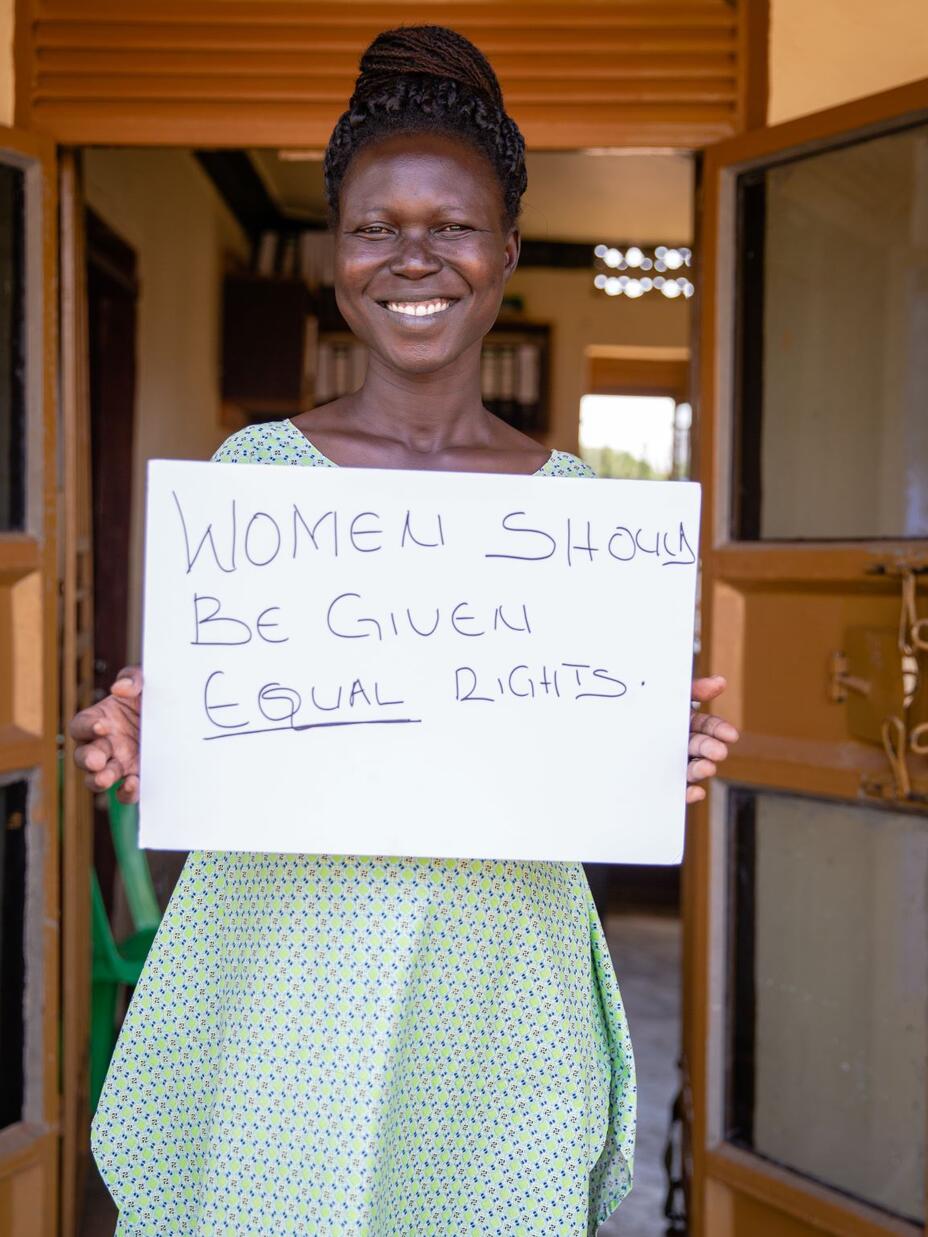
(332, 1045)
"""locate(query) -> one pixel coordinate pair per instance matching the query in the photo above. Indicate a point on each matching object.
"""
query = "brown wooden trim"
(697, 860)
(76, 688)
(695, 986)
(608, 15)
(798, 1196)
(19, 554)
(791, 764)
(807, 767)
(237, 124)
(19, 749)
(815, 561)
(262, 72)
(24, 54)
(890, 109)
(18, 1145)
(596, 65)
(30, 1187)
(28, 1190)
(45, 814)
(607, 375)
(753, 61)
(296, 89)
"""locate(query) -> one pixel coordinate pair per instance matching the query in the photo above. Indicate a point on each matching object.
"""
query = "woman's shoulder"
(271, 442)
(563, 464)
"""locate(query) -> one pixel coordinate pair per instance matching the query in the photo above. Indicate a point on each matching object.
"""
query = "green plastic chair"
(117, 963)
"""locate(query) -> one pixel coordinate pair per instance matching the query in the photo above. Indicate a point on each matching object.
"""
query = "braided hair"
(428, 79)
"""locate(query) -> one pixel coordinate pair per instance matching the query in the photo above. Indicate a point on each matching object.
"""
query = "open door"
(806, 877)
(77, 679)
(29, 879)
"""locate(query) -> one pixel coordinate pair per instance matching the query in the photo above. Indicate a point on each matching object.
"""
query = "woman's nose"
(414, 256)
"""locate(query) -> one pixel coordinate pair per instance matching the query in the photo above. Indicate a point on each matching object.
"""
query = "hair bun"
(426, 51)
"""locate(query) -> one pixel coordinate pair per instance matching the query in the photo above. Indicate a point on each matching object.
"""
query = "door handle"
(840, 682)
(880, 700)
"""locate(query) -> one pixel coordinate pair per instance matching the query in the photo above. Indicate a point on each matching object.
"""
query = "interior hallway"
(646, 954)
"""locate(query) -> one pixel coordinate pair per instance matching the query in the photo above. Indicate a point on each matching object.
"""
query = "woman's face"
(421, 253)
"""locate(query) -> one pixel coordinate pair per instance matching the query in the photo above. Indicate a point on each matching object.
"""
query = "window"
(12, 948)
(828, 960)
(643, 437)
(12, 353)
(832, 347)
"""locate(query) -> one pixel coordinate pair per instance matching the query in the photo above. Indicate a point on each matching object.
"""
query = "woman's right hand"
(107, 737)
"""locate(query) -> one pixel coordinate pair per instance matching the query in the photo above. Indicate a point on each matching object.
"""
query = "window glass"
(829, 1003)
(12, 942)
(12, 357)
(832, 354)
(644, 437)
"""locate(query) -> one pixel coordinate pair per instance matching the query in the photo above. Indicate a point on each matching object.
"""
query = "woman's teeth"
(418, 309)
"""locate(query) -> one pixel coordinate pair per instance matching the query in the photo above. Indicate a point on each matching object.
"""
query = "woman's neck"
(431, 421)
(424, 413)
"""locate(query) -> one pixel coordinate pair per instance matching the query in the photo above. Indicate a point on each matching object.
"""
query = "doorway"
(238, 305)
(807, 1029)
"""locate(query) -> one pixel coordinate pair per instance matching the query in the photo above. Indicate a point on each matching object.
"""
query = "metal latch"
(877, 675)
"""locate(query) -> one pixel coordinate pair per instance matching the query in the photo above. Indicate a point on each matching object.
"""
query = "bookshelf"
(286, 348)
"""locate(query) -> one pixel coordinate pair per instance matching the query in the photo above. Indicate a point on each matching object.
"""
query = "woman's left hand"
(710, 738)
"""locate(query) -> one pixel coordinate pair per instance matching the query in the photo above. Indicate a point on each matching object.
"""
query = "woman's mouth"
(420, 309)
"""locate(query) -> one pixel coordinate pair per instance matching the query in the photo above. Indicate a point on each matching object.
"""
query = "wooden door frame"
(718, 1164)
(726, 1163)
(28, 568)
(235, 121)
(618, 371)
(242, 73)
(76, 691)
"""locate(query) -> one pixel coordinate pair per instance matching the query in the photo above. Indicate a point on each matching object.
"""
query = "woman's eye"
(454, 228)
(374, 229)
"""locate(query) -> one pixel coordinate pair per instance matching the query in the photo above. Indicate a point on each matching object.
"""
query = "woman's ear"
(511, 252)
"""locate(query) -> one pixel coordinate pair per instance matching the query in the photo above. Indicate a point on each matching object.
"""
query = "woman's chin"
(420, 358)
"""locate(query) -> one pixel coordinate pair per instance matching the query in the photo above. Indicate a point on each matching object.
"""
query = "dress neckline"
(331, 463)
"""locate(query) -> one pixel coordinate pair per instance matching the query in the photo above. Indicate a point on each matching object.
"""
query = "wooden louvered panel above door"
(257, 72)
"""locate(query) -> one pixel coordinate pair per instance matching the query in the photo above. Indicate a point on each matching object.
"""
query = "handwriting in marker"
(370, 721)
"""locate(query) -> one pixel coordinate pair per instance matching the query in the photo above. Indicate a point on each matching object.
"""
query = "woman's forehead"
(420, 166)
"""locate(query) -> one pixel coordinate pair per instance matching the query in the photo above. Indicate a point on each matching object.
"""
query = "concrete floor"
(646, 953)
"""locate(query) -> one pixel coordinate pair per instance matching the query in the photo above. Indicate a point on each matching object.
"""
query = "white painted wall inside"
(581, 317)
(162, 204)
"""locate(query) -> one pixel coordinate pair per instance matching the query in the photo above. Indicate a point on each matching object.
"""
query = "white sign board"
(361, 661)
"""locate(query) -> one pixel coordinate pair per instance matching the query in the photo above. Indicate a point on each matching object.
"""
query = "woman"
(331, 1045)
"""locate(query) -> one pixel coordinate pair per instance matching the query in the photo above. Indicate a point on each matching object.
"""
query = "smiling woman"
(435, 259)
(424, 175)
(424, 245)
(386, 1047)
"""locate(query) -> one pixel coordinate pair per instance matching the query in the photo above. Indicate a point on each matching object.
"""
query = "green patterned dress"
(332, 1045)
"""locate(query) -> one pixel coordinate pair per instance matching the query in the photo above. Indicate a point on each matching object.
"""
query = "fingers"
(717, 727)
(83, 725)
(92, 757)
(107, 776)
(706, 745)
(128, 792)
(699, 770)
(128, 683)
(707, 689)
(695, 794)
